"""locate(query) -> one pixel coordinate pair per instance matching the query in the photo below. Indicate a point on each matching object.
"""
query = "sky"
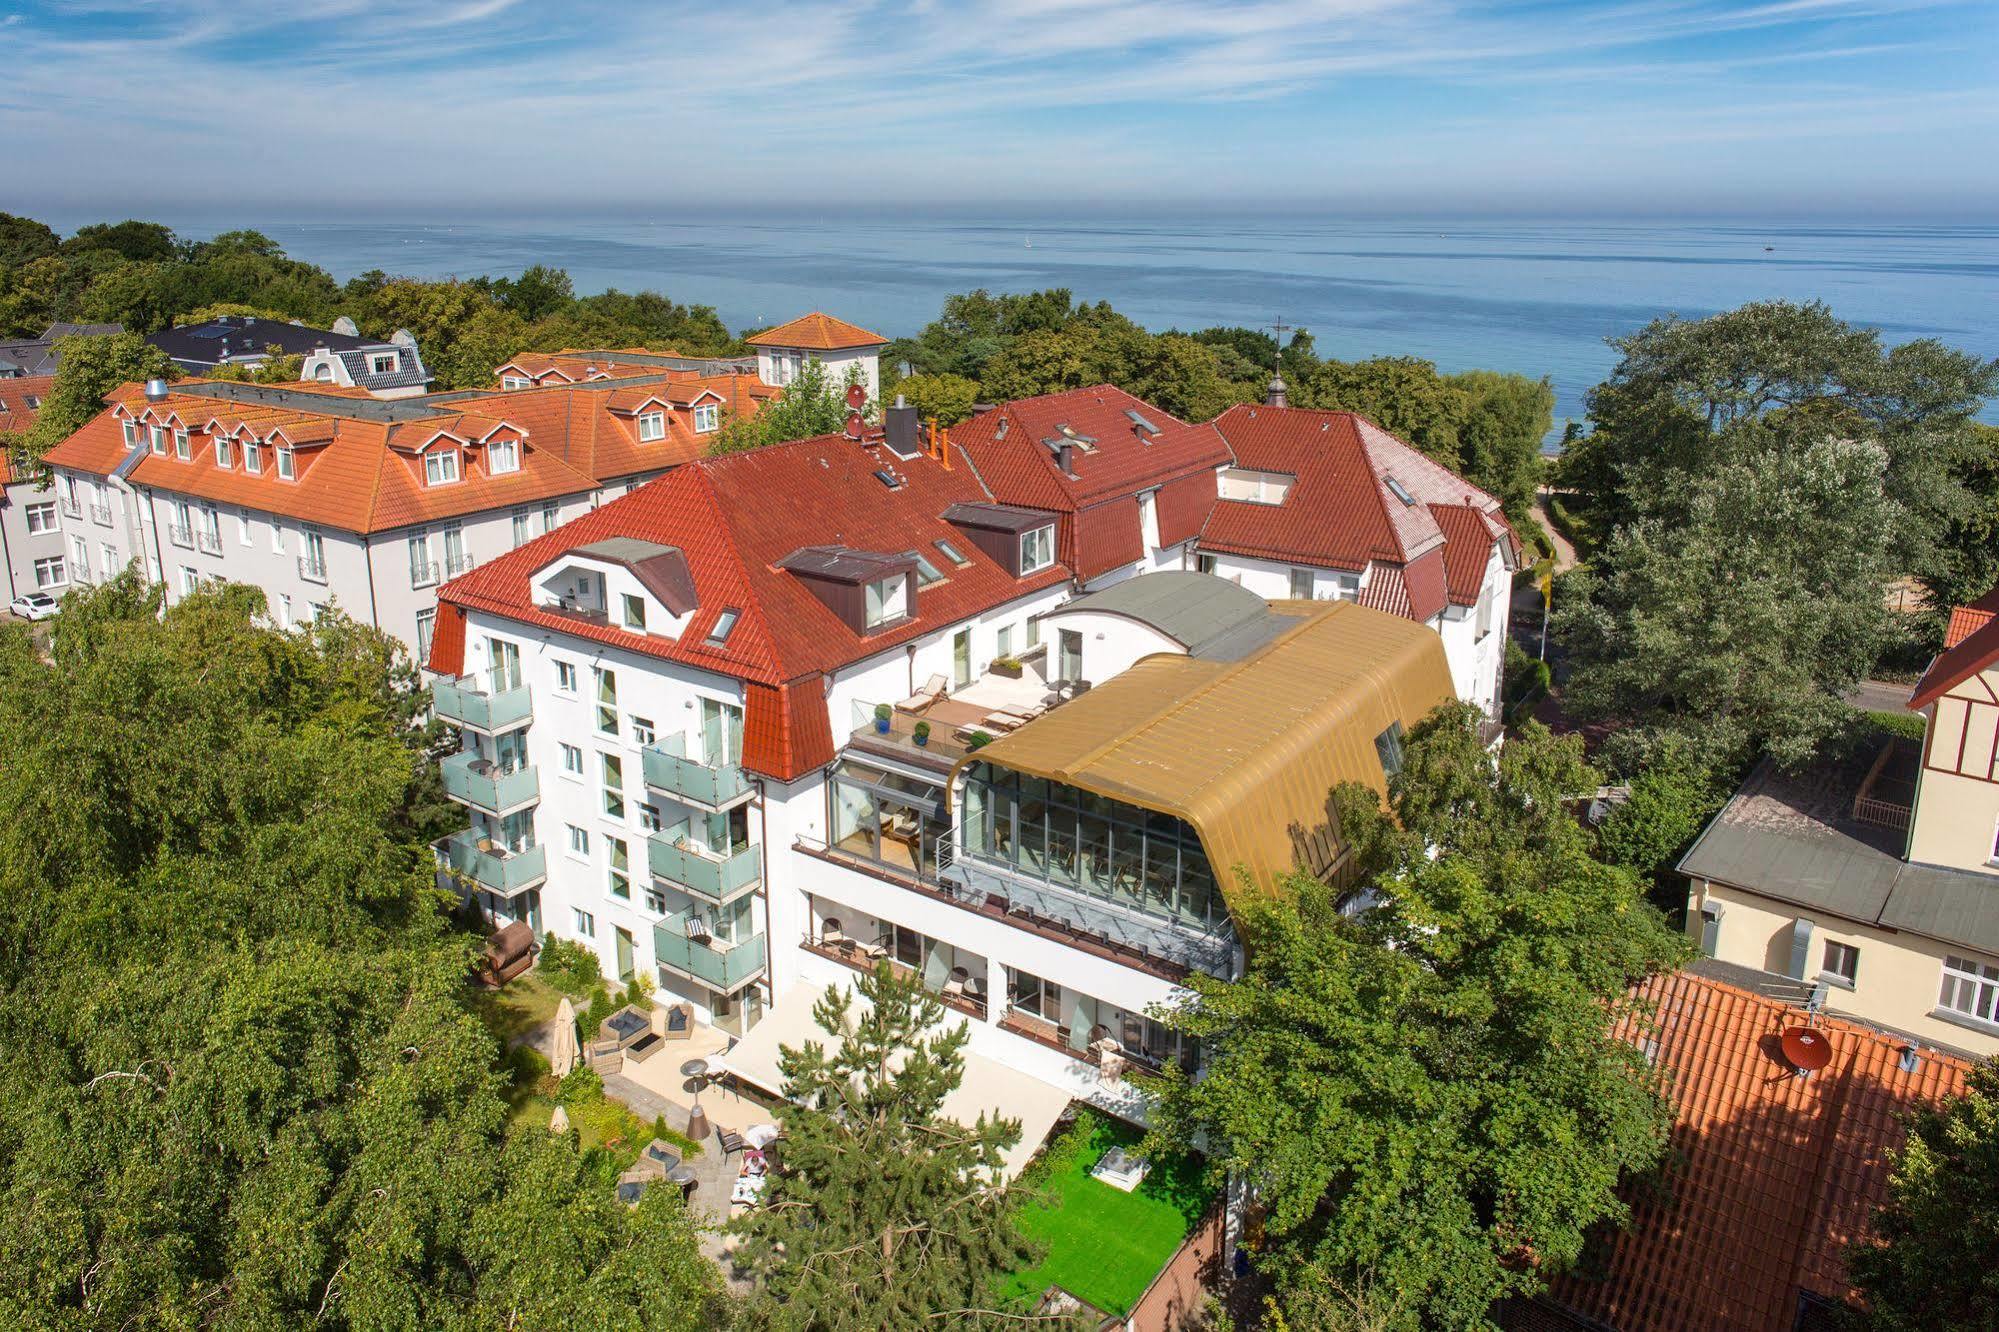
(460, 109)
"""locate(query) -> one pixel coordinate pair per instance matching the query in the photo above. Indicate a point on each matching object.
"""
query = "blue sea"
(1540, 298)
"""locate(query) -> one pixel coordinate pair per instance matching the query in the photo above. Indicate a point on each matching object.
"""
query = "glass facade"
(887, 817)
(1134, 858)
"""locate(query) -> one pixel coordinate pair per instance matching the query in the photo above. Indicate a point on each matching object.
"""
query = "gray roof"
(409, 374)
(38, 356)
(1793, 838)
(706, 365)
(54, 331)
(324, 404)
(245, 337)
(1209, 616)
(997, 517)
(662, 570)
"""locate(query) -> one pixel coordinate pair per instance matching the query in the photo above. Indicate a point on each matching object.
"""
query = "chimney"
(156, 390)
(1065, 456)
(899, 424)
(1275, 395)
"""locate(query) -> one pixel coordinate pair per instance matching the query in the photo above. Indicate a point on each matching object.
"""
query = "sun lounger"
(933, 689)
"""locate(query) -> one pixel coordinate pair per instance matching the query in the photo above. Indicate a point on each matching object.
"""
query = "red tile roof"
(817, 332)
(1772, 1174)
(1971, 644)
(734, 519)
(15, 413)
(365, 476)
(1964, 622)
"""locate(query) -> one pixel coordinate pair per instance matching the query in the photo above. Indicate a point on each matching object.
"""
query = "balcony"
(209, 543)
(705, 873)
(670, 772)
(100, 514)
(473, 780)
(956, 994)
(457, 564)
(721, 966)
(490, 867)
(181, 535)
(425, 573)
(312, 570)
(464, 702)
(70, 508)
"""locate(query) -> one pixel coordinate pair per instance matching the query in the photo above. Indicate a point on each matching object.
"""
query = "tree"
(946, 398)
(243, 1086)
(537, 292)
(810, 405)
(1741, 623)
(886, 1214)
(91, 367)
(1671, 800)
(141, 242)
(23, 240)
(1929, 1267)
(1424, 1090)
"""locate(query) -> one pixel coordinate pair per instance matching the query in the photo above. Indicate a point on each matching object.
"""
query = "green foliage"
(277, 368)
(140, 242)
(884, 1215)
(91, 367)
(1672, 798)
(946, 399)
(242, 1085)
(569, 967)
(24, 240)
(1907, 725)
(1931, 1269)
(810, 405)
(1425, 1091)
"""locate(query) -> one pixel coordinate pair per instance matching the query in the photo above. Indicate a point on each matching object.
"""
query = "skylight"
(1400, 491)
(951, 552)
(725, 624)
(926, 572)
(888, 478)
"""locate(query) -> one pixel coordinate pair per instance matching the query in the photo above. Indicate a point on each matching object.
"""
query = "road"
(1880, 696)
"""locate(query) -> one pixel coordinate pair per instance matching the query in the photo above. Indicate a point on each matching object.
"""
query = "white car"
(35, 606)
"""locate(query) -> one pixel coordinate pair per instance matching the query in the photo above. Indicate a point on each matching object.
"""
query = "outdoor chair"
(934, 688)
(679, 1023)
(731, 1142)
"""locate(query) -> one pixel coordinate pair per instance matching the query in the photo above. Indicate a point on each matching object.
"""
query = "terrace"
(993, 705)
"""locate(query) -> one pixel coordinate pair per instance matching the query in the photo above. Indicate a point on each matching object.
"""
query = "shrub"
(1672, 798)
(883, 712)
(1907, 725)
(570, 967)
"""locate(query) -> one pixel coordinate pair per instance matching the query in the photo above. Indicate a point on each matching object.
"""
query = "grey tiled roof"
(409, 374)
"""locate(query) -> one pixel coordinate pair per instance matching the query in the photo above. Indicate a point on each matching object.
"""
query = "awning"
(989, 1087)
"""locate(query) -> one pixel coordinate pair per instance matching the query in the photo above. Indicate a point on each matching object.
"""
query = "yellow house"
(1875, 877)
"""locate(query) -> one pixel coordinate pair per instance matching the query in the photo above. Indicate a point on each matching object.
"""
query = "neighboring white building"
(34, 551)
(671, 751)
(782, 352)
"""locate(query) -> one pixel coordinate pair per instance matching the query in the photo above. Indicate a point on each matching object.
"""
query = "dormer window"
(440, 467)
(131, 433)
(382, 363)
(287, 464)
(323, 372)
(513, 383)
(181, 450)
(158, 436)
(635, 613)
(887, 601)
(1037, 550)
(503, 455)
(224, 454)
(253, 456)
(707, 418)
(652, 426)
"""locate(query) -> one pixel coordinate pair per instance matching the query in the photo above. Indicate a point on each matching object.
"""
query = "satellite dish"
(857, 397)
(854, 425)
(1806, 1048)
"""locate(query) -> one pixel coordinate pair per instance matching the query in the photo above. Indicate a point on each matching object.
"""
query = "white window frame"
(287, 463)
(886, 601)
(381, 363)
(156, 436)
(51, 571)
(1970, 991)
(500, 463)
(514, 383)
(253, 455)
(586, 924)
(523, 529)
(426, 626)
(652, 426)
(565, 676)
(437, 462)
(1037, 541)
(182, 450)
(225, 457)
(579, 842)
(572, 759)
(42, 518)
(707, 418)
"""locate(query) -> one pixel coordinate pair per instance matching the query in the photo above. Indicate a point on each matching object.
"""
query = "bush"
(570, 967)
(1907, 725)
(1672, 798)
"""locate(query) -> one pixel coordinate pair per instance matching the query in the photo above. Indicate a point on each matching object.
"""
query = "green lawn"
(1105, 1246)
(516, 1008)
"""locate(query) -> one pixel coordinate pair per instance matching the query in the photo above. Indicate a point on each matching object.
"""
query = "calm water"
(1539, 298)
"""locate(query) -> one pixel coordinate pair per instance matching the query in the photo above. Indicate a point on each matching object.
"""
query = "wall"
(836, 363)
(1956, 818)
(1111, 643)
(23, 547)
(1896, 983)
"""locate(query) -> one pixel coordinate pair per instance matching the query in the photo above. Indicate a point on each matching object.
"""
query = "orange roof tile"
(1772, 1174)
(817, 332)
(16, 415)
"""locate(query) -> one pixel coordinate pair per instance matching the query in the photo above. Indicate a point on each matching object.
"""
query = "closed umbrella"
(562, 1045)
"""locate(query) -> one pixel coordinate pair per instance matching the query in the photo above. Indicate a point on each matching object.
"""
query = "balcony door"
(961, 658)
(510, 751)
(503, 666)
(1069, 664)
(721, 733)
(626, 965)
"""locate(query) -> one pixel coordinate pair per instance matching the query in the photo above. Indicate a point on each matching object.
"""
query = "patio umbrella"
(562, 1047)
(558, 1123)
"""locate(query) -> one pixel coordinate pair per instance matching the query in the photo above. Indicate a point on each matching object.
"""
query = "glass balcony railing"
(466, 701)
(706, 874)
(491, 866)
(720, 965)
(474, 780)
(669, 771)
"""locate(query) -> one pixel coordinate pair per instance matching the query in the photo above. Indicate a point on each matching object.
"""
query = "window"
(649, 818)
(1485, 600)
(635, 612)
(158, 435)
(952, 553)
(1253, 487)
(1031, 994)
(1003, 641)
(1400, 491)
(382, 363)
(503, 456)
(1389, 746)
(211, 527)
(725, 624)
(707, 418)
(423, 570)
(1204, 564)
(224, 451)
(1037, 550)
(315, 554)
(107, 559)
(652, 426)
(131, 433)
(551, 517)
(565, 676)
(926, 572)
(655, 901)
(1301, 584)
(512, 382)
(621, 868)
(79, 559)
(607, 700)
(586, 924)
(572, 759)
(1841, 964)
(181, 450)
(287, 463)
(253, 456)
(426, 625)
(284, 610)
(887, 600)
(190, 581)
(440, 467)
(42, 517)
(579, 840)
(522, 530)
(1970, 988)
(642, 731)
(49, 572)
(1034, 631)
(1346, 587)
(614, 784)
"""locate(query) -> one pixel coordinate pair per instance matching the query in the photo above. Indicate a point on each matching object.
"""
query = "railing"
(704, 873)
(424, 573)
(670, 771)
(465, 702)
(1881, 813)
(313, 571)
(1041, 1031)
(723, 966)
(473, 780)
(492, 867)
(458, 564)
(850, 953)
(209, 542)
(101, 514)
(71, 508)
(180, 535)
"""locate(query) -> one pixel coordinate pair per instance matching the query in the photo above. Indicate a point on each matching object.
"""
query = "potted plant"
(1007, 666)
(978, 740)
(921, 731)
(882, 713)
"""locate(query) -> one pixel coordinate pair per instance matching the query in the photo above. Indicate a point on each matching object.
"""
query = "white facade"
(779, 366)
(38, 554)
